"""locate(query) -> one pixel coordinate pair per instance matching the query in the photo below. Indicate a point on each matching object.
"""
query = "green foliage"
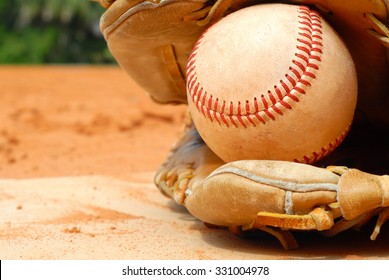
(51, 31)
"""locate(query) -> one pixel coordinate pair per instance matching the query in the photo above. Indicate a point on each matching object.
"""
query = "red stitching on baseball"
(299, 64)
(210, 102)
(269, 114)
(285, 104)
(231, 108)
(247, 106)
(282, 95)
(291, 80)
(264, 102)
(278, 111)
(272, 98)
(278, 92)
(292, 96)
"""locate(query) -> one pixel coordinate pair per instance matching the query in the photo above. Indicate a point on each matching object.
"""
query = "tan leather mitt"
(152, 40)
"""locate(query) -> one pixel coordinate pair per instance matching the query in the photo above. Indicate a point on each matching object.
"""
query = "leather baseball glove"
(152, 40)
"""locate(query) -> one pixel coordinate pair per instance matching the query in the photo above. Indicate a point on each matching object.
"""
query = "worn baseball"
(272, 81)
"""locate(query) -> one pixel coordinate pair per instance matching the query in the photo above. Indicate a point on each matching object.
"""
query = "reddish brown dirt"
(58, 121)
(79, 147)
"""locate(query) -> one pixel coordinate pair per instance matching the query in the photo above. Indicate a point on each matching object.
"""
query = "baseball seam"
(279, 98)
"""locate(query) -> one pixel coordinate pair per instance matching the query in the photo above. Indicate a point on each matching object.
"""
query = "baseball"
(271, 81)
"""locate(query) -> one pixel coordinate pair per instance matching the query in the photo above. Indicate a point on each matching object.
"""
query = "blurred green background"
(51, 31)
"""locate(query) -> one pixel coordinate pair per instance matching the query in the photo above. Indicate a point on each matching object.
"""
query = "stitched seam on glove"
(285, 185)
